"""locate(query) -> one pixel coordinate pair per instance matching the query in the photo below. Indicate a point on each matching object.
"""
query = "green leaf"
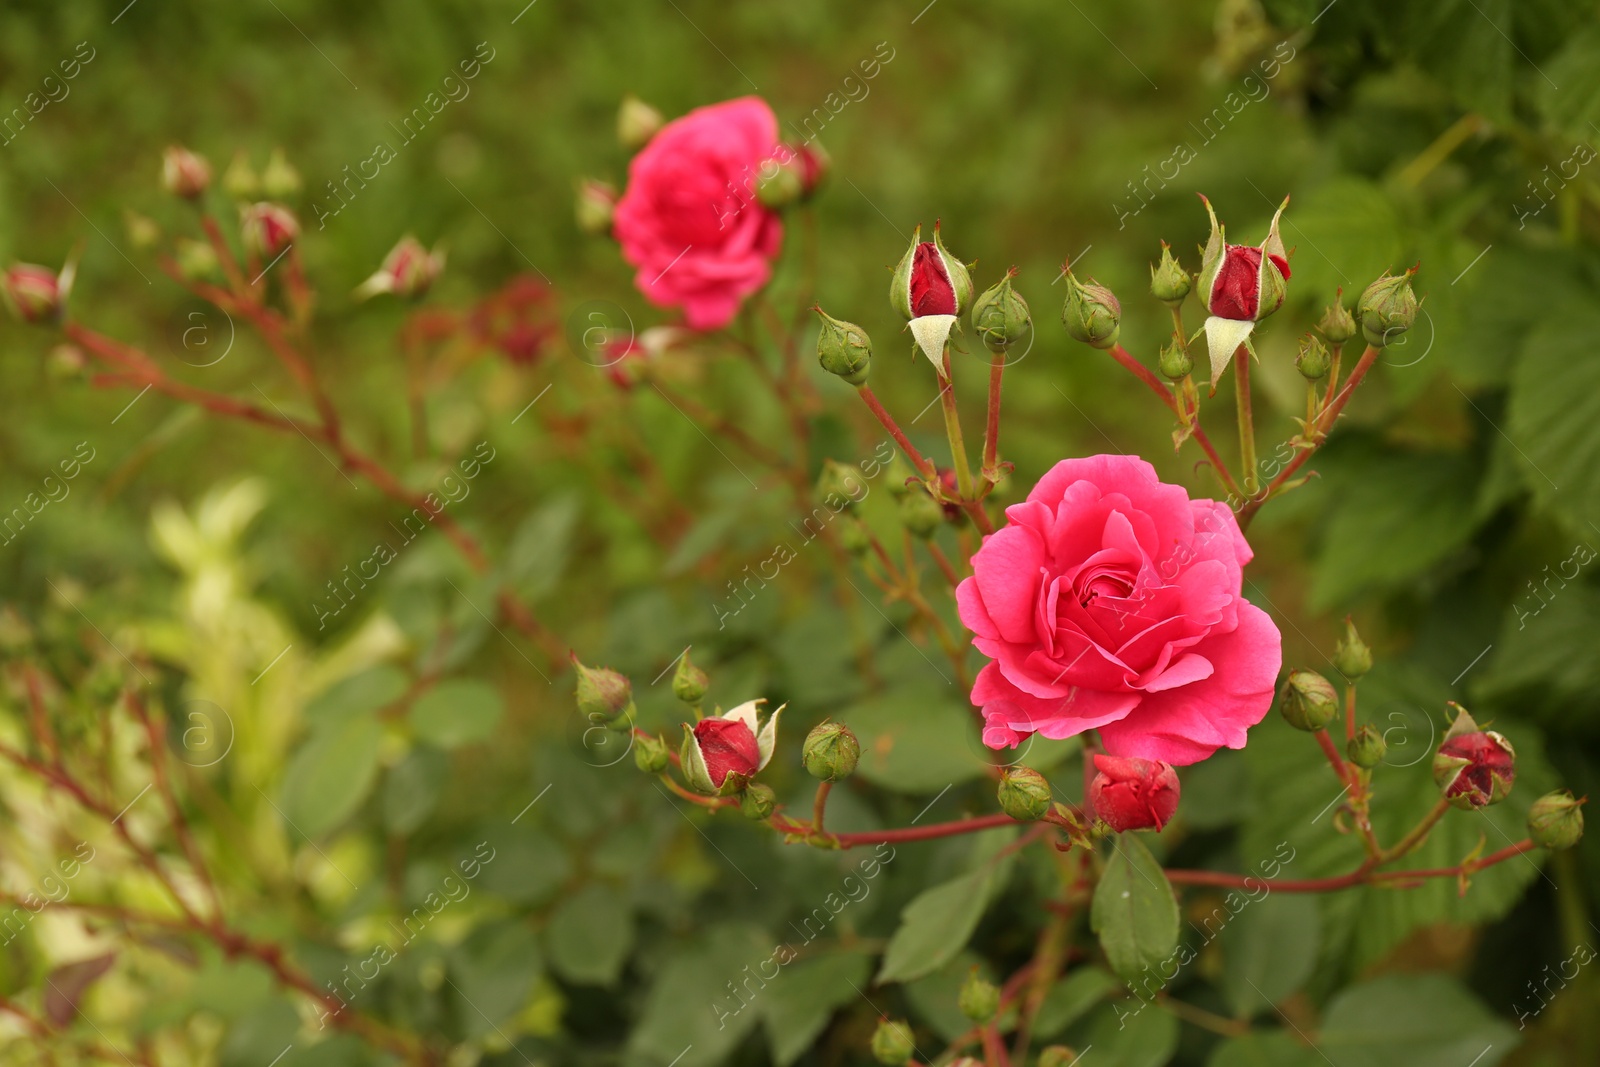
(799, 1002)
(1070, 998)
(359, 694)
(1543, 658)
(411, 789)
(1134, 911)
(938, 922)
(528, 867)
(492, 974)
(915, 741)
(1344, 234)
(1554, 416)
(1414, 1020)
(1145, 1036)
(934, 998)
(539, 552)
(456, 712)
(1467, 45)
(1574, 107)
(331, 774)
(589, 934)
(1269, 1048)
(689, 1011)
(1269, 950)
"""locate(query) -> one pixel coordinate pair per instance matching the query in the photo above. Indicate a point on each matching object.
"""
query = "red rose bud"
(930, 287)
(722, 753)
(183, 173)
(1133, 794)
(37, 294)
(1473, 767)
(596, 204)
(267, 229)
(1240, 286)
(408, 271)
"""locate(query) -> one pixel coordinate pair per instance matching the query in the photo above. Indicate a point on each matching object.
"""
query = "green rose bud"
(650, 754)
(1388, 308)
(1091, 314)
(839, 486)
(899, 477)
(279, 180)
(240, 180)
(689, 683)
(855, 537)
(603, 693)
(778, 186)
(843, 348)
(831, 752)
(1352, 657)
(892, 1043)
(637, 122)
(1367, 748)
(1024, 794)
(979, 998)
(595, 206)
(1057, 1056)
(1001, 316)
(1556, 820)
(1308, 700)
(920, 513)
(1314, 358)
(1337, 324)
(1176, 363)
(758, 801)
(197, 260)
(1169, 282)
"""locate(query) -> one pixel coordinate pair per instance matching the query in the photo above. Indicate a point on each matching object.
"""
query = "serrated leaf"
(331, 774)
(1134, 911)
(1553, 416)
(1413, 1020)
(589, 934)
(938, 922)
(456, 712)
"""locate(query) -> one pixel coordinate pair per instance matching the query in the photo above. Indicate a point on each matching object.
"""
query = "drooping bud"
(1308, 701)
(979, 998)
(1240, 285)
(1388, 308)
(844, 349)
(920, 513)
(1091, 313)
(37, 294)
(1337, 324)
(892, 1044)
(1057, 1056)
(930, 287)
(758, 801)
(1473, 767)
(603, 693)
(637, 122)
(184, 173)
(1133, 794)
(650, 754)
(831, 752)
(720, 754)
(240, 180)
(1000, 315)
(267, 229)
(1169, 282)
(1175, 363)
(1024, 794)
(840, 486)
(1555, 820)
(197, 260)
(1352, 657)
(408, 271)
(1367, 748)
(596, 203)
(280, 181)
(1314, 359)
(689, 683)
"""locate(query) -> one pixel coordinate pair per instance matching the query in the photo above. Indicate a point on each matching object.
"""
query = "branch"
(1365, 875)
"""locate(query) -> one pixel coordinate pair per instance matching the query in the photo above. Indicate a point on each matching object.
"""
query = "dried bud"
(844, 349)
(596, 203)
(1337, 324)
(1000, 315)
(722, 753)
(831, 752)
(184, 173)
(1314, 358)
(689, 683)
(920, 513)
(637, 122)
(1169, 282)
(37, 294)
(1556, 820)
(197, 260)
(1240, 285)
(1091, 313)
(758, 801)
(929, 288)
(1308, 700)
(267, 229)
(979, 998)
(1352, 657)
(840, 486)
(892, 1043)
(280, 180)
(1473, 767)
(240, 180)
(1388, 308)
(603, 693)
(1133, 794)
(408, 271)
(1367, 748)
(1176, 364)
(650, 754)
(1024, 794)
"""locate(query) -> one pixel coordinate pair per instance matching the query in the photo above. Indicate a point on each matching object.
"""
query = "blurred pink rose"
(690, 221)
(1111, 601)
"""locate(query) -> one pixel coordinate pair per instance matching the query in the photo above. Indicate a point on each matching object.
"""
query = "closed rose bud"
(778, 184)
(1240, 285)
(1555, 820)
(197, 260)
(1133, 794)
(650, 754)
(1169, 282)
(920, 513)
(831, 752)
(840, 486)
(689, 683)
(929, 288)
(1091, 313)
(596, 204)
(184, 173)
(1351, 656)
(1314, 358)
(1308, 700)
(36, 294)
(844, 349)
(280, 180)
(1388, 308)
(1473, 768)
(637, 122)
(855, 537)
(240, 180)
(1024, 794)
(979, 998)
(892, 1044)
(1337, 324)
(813, 164)
(899, 477)
(1367, 748)
(603, 693)
(66, 362)
(1057, 1056)
(408, 271)
(758, 802)
(720, 754)
(143, 231)
(1000, 315)
(1175, 363)
(267, 229)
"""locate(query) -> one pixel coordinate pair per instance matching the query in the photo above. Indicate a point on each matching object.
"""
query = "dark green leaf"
(799, 1002)
(1415, 1020)
(589, 934)
(1134, 911)
(1269, 949)
(456, 712)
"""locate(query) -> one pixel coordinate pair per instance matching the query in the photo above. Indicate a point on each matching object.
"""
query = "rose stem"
(1247, 421)
(922, 465)
(1143, 373)
(1333, 755)
(991, 436)
(820, 806)
(952, 430)
(944, 564)
(1350, 711)
(1418, 834)
(1361, 876)
(1333, 375)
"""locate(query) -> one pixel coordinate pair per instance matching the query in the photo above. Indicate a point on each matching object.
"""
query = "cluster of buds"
(408, 271)
(1473, 768)
(1133, 794)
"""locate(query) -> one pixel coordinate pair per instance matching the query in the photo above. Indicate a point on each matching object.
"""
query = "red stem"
(1363, 875)
(1146, 375)
(923, 466)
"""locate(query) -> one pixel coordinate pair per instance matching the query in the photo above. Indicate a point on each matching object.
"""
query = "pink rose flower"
(690, 221)
(1111, 601)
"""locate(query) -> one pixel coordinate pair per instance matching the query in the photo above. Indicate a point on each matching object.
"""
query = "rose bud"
(183, 173)
(689, 683)
(844, 349)
(37, 294)
(408, 271)
(196, 259)
(280, 180)
(930, 287)
(758, 802)
(1314, 359)
(1091, 313)
(1308, 700)
(1388, 308)
(1175, 362)
(722, 753)
(1337, 324)
(831, 752)
(240, 180)
(1473, 767)
(1133, 794)
(1169, 282)
(892, 1044)
(637, 122)
(1057, 1056)
(1000, 315)
(979, 998)
(1555, 820)
(603, 693)
(596, 204)
(812, 162)
(267, 229)
(1367, 748)
(1240, 285)
(778, 182)
(840, 486)
(920, 513)
(1024, 794)
(650, 754)
(1351, 656)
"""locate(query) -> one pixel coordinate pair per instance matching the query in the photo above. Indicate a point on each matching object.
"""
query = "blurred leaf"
(1134, 911)
(67, 984)
(456, 712)
(1070, 998)
(1413, 1020)
(1570, 99)
(1343, 235)
(1554, 416)
(1270, 951)
(588, 935)
(1269, 1048)
(537, 556)
(933, 997)
(492, 973)
(915, 741)
(1467, 45)
(411, 789)
(359, 694)
(1541, 658)
(689, 1011)
(529, 866)
(1211, 789)
(1145, 1036)
(799, 1002)
(331, 774)
(938, 921)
